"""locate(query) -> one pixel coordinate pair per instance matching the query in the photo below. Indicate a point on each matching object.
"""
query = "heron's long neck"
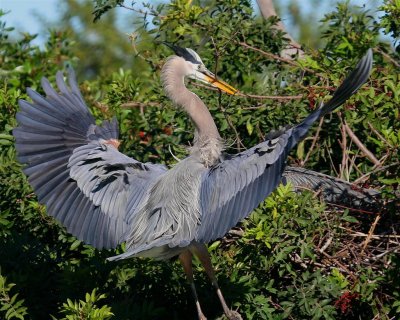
(208, 144)
(206, 136)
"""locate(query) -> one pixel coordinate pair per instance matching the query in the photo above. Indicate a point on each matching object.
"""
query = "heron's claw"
(234, 315)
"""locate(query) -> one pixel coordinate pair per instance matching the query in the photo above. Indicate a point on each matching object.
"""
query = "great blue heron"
(104, 197)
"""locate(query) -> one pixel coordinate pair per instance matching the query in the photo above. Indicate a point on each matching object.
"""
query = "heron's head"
(194, 68)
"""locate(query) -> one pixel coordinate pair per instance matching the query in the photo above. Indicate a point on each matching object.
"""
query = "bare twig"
(379, 135)
(239, 143)
(268, 10)
(332, 164)
(342, 267)
(377, 169)
(275, 57)
(142, 12)
(315, 138)
(252, 96)
(343, 144)
(370, 233)
(137, 104)
(279, 98)
(387, 57)
(326, 245)
(216, 56)
(373, 236)
(361, 146)
(235, 232)
(270, 55)
(350, 208)
(381, 255)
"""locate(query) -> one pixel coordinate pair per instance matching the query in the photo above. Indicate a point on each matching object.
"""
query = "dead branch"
(275, 57)
(375, 170)
(387, 57)
(343, 144)
(252, 96)
(314, 142)
(370, 233)
(279, 98)
(361, 146)
(379, 135)
(270, 55)
(268, 10)
(137, 104)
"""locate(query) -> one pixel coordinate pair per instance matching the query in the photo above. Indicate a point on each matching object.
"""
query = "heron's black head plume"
(186, 53)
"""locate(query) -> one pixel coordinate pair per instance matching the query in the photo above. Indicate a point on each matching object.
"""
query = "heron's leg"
(200, 250)
(186, 260)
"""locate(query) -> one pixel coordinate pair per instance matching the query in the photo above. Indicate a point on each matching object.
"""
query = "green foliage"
(350, 30)
(102, 6)
(278, 242)
(101, 47)
(86, 309)
(390, 22)
(298, 258)
(10, 306)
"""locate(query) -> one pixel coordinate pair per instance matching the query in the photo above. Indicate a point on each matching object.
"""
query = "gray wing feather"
(57, 138)
(108, 178)
(233, 188)
(236, 186)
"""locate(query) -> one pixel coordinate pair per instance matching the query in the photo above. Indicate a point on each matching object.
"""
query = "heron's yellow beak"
(220, 84)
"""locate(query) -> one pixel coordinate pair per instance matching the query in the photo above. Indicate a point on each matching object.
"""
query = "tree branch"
(387, 57)
(268, 10)
(361, 146)
(137, 104)
(253, 96)
(276, 57)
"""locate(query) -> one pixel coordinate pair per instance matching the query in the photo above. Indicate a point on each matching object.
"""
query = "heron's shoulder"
(191, 162)
(207, 151)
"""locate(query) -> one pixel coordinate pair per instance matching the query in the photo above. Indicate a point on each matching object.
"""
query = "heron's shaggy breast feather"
(172, 211)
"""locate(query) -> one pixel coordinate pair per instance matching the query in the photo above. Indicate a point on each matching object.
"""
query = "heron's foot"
(202, 316)
(200, 313)
(233, 315)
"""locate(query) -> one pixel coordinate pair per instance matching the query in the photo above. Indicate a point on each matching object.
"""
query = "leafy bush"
(11, 307)
(86, 309)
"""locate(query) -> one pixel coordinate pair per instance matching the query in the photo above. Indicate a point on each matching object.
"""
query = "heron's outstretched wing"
(233, 188)
(74, 166)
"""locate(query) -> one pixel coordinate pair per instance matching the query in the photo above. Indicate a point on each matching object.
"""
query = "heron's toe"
(234, 315)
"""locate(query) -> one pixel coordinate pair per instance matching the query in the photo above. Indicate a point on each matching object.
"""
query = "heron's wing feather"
(110, 179)
(349, 86)
(55, 136)
(234, 187)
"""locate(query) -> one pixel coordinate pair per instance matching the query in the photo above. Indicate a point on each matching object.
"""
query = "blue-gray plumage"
(104, 197)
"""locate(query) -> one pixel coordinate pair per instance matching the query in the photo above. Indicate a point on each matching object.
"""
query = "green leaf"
(249, 127)
(75, 245)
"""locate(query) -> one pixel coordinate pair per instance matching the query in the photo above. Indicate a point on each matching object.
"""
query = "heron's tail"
(333, 190)
(349, 86)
